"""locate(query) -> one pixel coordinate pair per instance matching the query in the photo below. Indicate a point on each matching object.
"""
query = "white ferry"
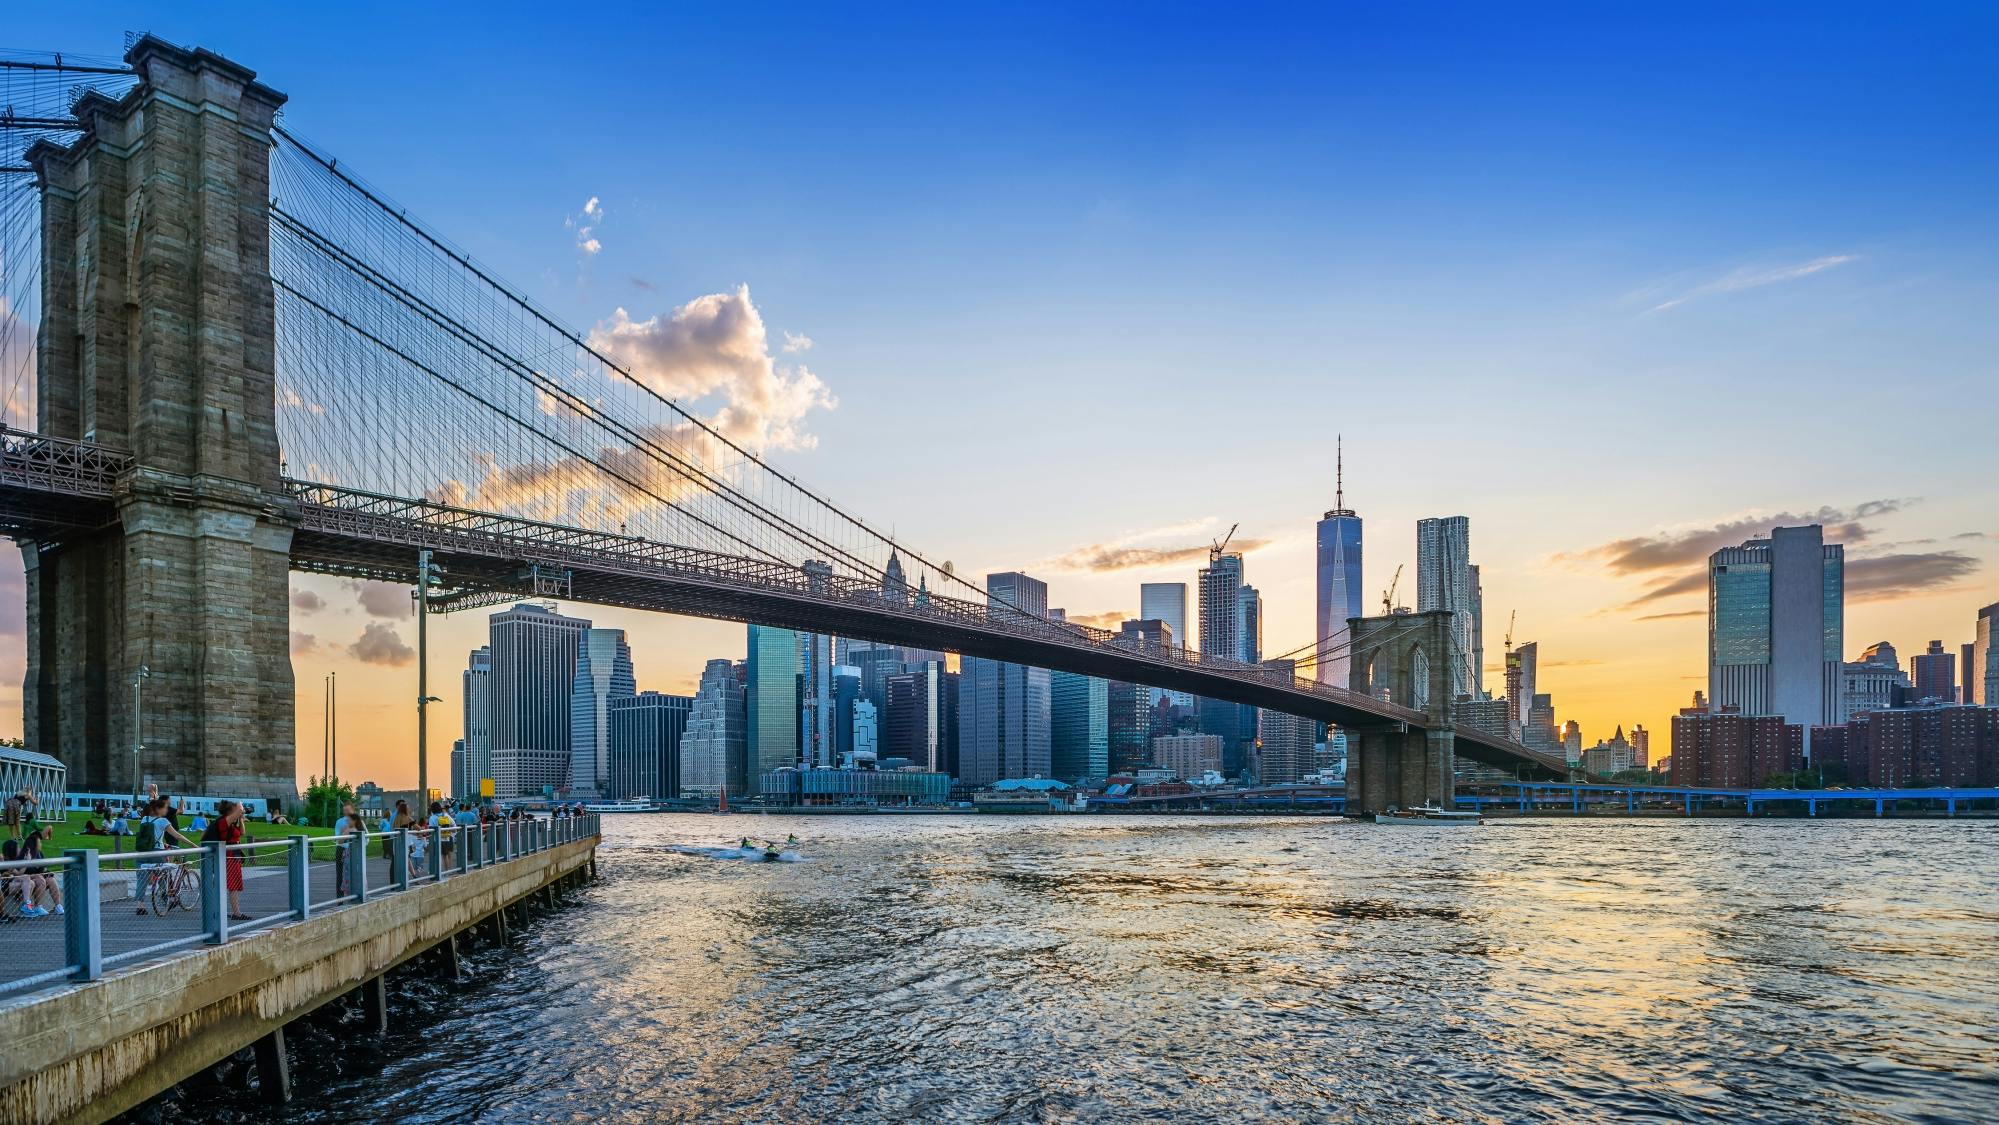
(630, 804)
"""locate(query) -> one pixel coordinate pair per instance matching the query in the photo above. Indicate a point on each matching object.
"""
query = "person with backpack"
(228, 828)
(156, 833)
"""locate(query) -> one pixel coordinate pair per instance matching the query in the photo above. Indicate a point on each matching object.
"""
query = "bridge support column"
(1395, 768)
(158, 338)
(375, 1004)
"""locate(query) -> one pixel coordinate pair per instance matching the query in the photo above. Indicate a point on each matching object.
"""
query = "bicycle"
(173, 884)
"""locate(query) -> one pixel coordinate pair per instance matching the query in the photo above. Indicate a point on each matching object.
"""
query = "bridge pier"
(274, 1068)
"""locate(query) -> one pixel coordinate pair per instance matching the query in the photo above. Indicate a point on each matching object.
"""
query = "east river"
(970, 968)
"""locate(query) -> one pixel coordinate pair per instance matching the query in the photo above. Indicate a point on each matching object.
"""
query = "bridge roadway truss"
(52, 485)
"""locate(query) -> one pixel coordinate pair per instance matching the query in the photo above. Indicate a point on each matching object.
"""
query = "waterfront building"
(1446, 580)
(1339, 580)
(533, 650)
(1984, 670)
(647, 731)
(1611, 757)
(1004, 709)
(1728, 749)
(772, 705)
(715, 737)
(1284, 742)
(603, 675)
(865, 752)
(1872, 683)
(1003, 721)
(476, 698)
(855, 787)
(1934, 674)
(1776, 624)
(1572, 740)
(1188, 756)
(1079, 726)
(1927, 744)
(922, 722)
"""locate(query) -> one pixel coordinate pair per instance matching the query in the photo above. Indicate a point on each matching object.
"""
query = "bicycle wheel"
(159, 893)
(187, 896)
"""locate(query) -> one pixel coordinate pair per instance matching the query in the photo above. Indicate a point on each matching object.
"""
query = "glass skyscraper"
(1166, 601)
(1229, 611)
(1079, 739)
(1339, 589)
(1776, 625)
(1004, 709)
(646, 732)
(772, 728)
(603, 674)
(477, 688)
(712, 746)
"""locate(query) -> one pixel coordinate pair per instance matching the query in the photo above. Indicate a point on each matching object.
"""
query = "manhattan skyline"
(1612, 364)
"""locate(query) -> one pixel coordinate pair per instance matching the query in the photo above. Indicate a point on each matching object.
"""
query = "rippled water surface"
(1110, 968)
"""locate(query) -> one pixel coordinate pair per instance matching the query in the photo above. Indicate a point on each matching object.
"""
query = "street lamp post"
(138, 742)
(425, 570)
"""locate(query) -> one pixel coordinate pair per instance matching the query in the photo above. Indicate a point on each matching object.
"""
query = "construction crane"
(1388, 595)
(1215, 552)
(1509, 629)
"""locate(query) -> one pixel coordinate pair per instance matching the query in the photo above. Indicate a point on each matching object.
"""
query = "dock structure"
(138, 1003)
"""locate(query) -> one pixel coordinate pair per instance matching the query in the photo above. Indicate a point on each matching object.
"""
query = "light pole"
(425, 573)
(138, 743)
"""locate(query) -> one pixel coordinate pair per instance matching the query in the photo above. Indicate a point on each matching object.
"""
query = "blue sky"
(1584, 273)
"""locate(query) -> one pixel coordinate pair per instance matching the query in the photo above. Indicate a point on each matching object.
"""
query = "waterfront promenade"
(103, 1007)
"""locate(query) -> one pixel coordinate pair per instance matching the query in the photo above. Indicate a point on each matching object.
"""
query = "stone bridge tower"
(157, 337)
(1408, 657)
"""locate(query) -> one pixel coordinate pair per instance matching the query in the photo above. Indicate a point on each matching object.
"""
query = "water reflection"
(992, 969)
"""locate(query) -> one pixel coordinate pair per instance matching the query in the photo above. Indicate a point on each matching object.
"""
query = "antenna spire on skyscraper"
(1339, 471)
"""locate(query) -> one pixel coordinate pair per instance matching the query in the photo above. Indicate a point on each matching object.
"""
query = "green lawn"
(69, 834)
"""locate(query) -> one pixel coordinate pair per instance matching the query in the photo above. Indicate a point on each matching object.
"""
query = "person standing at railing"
(441, 822)
(349, 823)
(228, 828)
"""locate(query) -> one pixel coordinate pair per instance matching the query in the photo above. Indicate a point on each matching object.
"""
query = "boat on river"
(1427, 814)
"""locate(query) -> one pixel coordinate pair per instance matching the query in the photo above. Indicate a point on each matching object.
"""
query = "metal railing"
(81, 916)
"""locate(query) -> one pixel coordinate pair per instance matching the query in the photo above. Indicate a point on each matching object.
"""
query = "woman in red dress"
(228, 828)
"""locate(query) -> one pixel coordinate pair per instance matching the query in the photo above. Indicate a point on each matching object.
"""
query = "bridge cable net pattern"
(414, 385)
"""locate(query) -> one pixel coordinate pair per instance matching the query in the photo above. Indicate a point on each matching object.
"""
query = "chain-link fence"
(70, 917)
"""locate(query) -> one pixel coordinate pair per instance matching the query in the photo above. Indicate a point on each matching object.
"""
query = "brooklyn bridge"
(249, 361)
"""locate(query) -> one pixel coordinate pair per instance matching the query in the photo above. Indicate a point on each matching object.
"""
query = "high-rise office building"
(1446, 579)
(1339, 579)
(1284, 742)
(846, 697)
(1572, 740)
(1868, 685)
(1880, 652)
(1167, 602)
(1641, 747)
(476, 696)
(1967, 688)
(818, 727)
(1934, 674)
(1224, 634)
(773, 712)
(461, 789)
(1187, 755)
(1522, 673)
(922, 721)
(1136, 712)
(534, 667)
(1079, 726)
(1539, 730)
(715, 737)
(1984, 670)
(646, 732)
(603, 674)
(1776, 623)
(1004, 709)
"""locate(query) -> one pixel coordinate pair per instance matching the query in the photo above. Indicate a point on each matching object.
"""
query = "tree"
(324, 796)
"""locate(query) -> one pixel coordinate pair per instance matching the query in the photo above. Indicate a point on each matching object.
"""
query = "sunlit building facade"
(1776, 627)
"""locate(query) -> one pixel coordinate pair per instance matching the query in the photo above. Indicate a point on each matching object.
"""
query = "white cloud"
(585, 226)
(1752, 277)
(797, 342)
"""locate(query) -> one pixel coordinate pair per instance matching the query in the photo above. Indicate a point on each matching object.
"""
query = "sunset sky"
(1072, 293)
